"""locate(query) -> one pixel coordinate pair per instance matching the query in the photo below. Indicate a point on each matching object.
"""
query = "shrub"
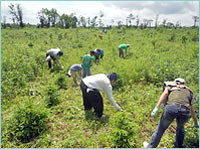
(123, 131)
(52, 97)
(27, 122)
(61, 82)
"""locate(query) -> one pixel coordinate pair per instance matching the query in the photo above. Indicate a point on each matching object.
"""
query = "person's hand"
(62, 67)
(155, 110)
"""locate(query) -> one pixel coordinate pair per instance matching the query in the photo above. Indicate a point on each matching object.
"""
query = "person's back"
(123, 46)
(87, 61)
(180, 96)
(53, 53)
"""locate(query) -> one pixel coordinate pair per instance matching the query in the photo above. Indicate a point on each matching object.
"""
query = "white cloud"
(117, 10)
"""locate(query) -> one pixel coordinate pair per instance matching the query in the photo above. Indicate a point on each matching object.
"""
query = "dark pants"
(171, 111)
(121, 53)
(92, 99)
(49, 62)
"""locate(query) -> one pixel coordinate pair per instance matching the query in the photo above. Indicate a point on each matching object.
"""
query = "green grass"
(155, 56)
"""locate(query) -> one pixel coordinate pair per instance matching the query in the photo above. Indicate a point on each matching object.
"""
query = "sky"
(172, 11)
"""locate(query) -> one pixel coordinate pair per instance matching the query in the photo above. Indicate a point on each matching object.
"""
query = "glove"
(195, 125)
(153, 113)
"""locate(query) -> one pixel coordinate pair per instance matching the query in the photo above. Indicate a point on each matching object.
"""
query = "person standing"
(87, 62)
(90, 87)
(53, 54)
(179, 101)
(121, 48)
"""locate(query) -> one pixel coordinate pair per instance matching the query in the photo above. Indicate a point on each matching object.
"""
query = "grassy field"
(41, 109)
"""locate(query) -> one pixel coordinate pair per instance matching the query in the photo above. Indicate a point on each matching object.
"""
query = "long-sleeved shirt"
(101, 82)
(53, 52)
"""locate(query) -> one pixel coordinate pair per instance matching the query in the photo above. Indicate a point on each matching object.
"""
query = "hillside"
(27, 86)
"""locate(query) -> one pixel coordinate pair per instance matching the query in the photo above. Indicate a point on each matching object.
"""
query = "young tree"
(4, 22)
(83, 21)
(164, 22)
(16, 14)
(137, 21)
(100, 19)
(156, 21)
(53, 16)
(93, 22)
(130, 18)
(196, 19)
(73, 20)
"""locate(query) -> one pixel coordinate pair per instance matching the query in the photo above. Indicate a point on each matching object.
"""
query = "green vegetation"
(41, 109)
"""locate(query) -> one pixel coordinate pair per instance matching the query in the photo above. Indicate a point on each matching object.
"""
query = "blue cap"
(112, 76)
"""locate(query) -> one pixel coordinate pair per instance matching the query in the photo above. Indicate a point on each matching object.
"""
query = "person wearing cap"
(90, 87)
(179, 101)
(87, 62)
(98, 53)
(53, 54)
(121, 48)
(73, 70)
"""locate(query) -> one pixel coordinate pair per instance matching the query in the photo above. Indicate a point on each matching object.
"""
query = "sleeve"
(108, 91)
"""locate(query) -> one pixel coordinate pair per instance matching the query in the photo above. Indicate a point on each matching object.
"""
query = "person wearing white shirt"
(53, 54)
(73, 69)
(90, 87)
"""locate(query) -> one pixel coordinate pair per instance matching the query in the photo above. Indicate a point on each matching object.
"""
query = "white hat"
(181, 80)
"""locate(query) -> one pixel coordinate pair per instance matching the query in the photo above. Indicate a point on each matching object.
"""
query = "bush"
(61, 82)
(27, 122)
(52, 97)
(123, 131)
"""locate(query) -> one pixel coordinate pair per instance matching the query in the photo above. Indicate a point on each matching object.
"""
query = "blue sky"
(173, 11)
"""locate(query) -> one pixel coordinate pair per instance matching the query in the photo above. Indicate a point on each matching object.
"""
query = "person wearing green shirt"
(88, 61)
(121, 47)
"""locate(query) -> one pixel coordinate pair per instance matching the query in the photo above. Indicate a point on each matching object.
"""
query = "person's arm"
(108, 91)
(163, 97)
(160, 101)
(194, 116)
(125, 53)
(59, 63)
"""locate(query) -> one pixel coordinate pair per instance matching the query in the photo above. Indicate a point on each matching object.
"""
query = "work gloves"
(153, 113)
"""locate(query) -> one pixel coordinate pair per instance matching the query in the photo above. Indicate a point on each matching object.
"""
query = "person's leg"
(73, 73)
(164, 122)
(88, 72)
(49, 63)
(84, 72)
(98, 104)
(86, 98)
(183, 117)
(120, 52)
(80, 74)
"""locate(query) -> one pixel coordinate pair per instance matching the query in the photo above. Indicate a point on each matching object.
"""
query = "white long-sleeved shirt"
(53, 52)
(101, 82)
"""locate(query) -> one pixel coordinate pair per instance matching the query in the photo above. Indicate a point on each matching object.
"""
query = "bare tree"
(4, 21)
(164, 22)
(130, 18)
(137, 21)
(196, 19)
(156, 21)
(16, 14)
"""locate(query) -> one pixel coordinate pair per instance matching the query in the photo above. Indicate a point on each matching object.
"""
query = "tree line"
(51, 18)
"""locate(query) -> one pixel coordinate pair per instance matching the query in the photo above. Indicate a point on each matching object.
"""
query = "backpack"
(173, 86)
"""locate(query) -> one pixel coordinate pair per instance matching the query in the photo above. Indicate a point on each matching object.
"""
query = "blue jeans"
(86, 72)
(171, 111)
